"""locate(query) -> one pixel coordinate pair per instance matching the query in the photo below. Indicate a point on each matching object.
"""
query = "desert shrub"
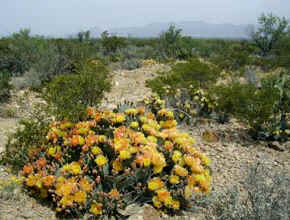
(171, 44)
(110, 160)
(49, 64)
(193, 73)
(185, 88)
(131, 51)
(9, 188)
(111, 43)
(5, 87)
(266, 197)
(30, 133)
(69, 95)
(187, 104)
(234, 59)
(282, 52)
(131, 64)
(264, 109)
(17, 53)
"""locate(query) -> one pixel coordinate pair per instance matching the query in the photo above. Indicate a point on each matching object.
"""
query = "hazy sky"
(51, 17)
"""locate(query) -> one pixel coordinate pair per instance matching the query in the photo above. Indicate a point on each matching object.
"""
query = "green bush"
(30, 133)
(185, 89)
(263, 109)
(5, 87)
(111, 43)
(70, 95)
(234, 58)
(17, 53)
(193, 73)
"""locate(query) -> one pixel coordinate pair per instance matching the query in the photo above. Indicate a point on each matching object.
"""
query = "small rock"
(276, 146)
(130, 210)
(210, 136)
(146, 213)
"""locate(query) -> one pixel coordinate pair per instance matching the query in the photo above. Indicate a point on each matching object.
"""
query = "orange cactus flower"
(114, 194)
(90, 111)
(40, 163)
(75, 141)
(91, 140)
(163, 195)
(141, 110)
(27, 169)
(140, 160)
(48, 180)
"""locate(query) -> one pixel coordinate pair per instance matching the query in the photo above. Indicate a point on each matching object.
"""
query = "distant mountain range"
(198, 29)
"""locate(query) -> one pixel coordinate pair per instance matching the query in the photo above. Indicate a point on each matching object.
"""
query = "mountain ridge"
(198, 29)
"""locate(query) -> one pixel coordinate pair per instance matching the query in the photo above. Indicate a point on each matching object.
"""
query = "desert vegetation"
(82, 158)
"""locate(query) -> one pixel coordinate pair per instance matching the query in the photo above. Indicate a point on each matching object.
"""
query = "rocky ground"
(230, 148)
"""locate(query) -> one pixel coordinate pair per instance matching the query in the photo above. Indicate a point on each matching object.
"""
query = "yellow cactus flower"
(133, 150)
(155, 184)
(66, 201)
(96, 208)
(143, 119)
(31, 180)
(51, 151)
(85, 185)
(134, 124)
(117, 165)
(102, 138)
(119, 118)
(80, 197)
(180, 171)
(101, 160)
(156, 202)
(96, 150)
(124, 155)
(152, 139)
(131, 111)
(205, 160)
(176, 156)
(147, 162)
(170, 115)
(173, 179)
(175, 204)
(75, 168)
(60, 179)
(157, 169)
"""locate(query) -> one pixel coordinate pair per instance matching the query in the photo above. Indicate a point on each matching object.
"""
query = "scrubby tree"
(112, 43)
(170, 41)
(271, 29)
